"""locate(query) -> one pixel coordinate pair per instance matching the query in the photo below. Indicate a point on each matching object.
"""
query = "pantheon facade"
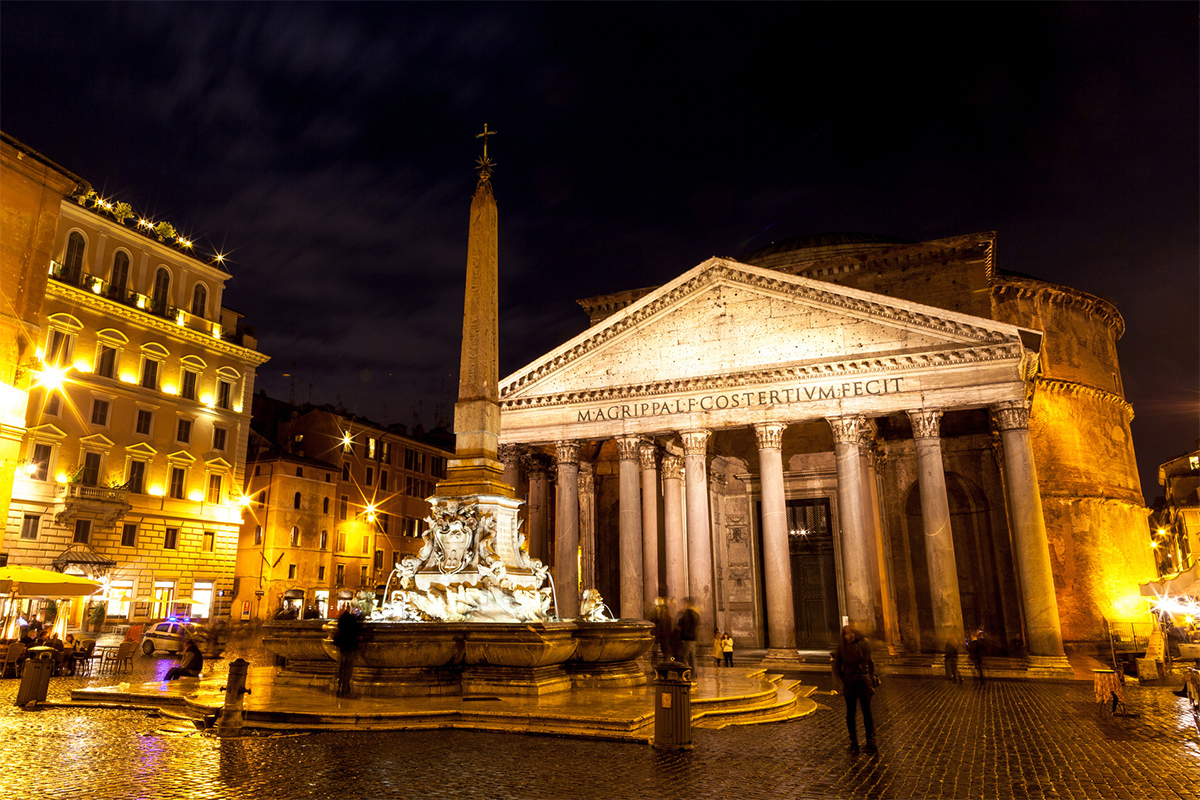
(840, 428)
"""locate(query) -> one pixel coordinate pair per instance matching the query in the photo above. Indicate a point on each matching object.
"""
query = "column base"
(782, 658)
(1048, 667)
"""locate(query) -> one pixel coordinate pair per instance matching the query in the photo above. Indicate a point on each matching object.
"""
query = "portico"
(739, 402)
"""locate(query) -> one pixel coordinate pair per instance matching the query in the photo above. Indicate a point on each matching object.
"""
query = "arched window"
(120, 272)
(162, 289)
(295, 536)
(73, 260)
(199, 298)
(296, 501)
(325, 508)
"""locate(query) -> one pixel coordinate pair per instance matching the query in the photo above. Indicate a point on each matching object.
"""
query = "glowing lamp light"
(207, 399)
(82, 366)
(244, 501)
(170, 388)
(220, 259)
(371, 513)
(1162, 531)
(237, 408)
(183, 242)
(96, 287)
(156, 490)
(141, 301)
(1153, 545)
(128, 377)
(347, 439)
(30, 468)
(51, 377)
(62, 477)
(216, 331)
(195, 495)
(179, 317)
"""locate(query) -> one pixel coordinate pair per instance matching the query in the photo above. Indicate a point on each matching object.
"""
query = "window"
(257, 470)
(171, 539)
(383, 479)
(372, 443)
(53, 403)
(106, 365)
(262, 499)
(119, 279)
(291, 572)
(362, 577)
(343, 506)
(366, 545)
(83, 530)
(162, 290)
(378, 559)
(29, 526)
(149, 373)
(419, 462)
(73, 260)
(214, 488)
(409, 454)
(199, 298)
(99, 412)
(187, 388)
(137, 476)
(321, 572)
(144, 419)
(370, 475)
(325, 506)
(347, 442)
(91, 469)
(258, 534)
(129, 535)
(383, 522)
(224, 394)
(296, 501)
(58, 347)
(437, 466)
(295, 540)
(341, 574)
(299, 472)
(177, 475)
(183, 431)
(345, 470)
(218, 438)
(324, 540)
(210, 540)
(341, 541)
(41, 462)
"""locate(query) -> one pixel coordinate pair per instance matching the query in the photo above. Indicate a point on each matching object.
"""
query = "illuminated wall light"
(51, 377)
(156, 490)
(195, 495)
(62, 477)
(179, 318)
(96, 287)
(237, 408)
(128, 377)
(170, 388)
(30, 468)
(207, 399)
(216, 331)
(82, 366)
(141, 301)
(40, 354)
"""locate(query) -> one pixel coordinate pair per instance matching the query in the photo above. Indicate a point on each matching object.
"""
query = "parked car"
(170, 636)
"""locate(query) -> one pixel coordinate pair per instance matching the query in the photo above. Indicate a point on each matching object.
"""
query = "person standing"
(689, 621)
(345, 639)
(975, 653)
(663, 624)
(854, 668)
(951, 658)
(727, 649)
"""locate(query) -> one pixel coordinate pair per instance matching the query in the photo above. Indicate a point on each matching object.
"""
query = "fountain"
(471, 613)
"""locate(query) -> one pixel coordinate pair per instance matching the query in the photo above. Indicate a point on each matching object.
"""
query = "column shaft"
(539, 513)
(649, 460)
(856, 564)
(777, 560)
(566, 556)
(699, 536)
(673, 527)
(632, 605)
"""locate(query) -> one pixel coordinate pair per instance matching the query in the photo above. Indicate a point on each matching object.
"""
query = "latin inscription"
(731, 400)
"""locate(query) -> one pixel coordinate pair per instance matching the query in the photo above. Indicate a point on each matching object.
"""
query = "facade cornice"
(112, 309)
(1010, 351)
(1060, 295)
(720, 270)
(1083, 390)
(977, 246)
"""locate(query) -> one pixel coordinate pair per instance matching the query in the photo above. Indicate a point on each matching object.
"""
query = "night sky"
(328, 151)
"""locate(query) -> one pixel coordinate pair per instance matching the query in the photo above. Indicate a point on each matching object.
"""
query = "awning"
(83, 556)
(1181, 583)
(294, 594)
(34, 582)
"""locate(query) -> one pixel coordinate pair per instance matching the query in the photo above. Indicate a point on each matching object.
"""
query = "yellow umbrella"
(44, 583)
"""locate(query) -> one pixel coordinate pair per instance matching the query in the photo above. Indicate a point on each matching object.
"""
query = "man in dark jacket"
(345, 639)
(689, 622)
(854, 668)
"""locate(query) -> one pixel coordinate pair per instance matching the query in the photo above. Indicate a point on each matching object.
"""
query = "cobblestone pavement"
(1009, 739)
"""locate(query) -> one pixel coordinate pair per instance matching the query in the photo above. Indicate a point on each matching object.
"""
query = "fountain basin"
(299, 648)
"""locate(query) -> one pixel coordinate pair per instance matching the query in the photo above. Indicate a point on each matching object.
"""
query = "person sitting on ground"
(190, 665)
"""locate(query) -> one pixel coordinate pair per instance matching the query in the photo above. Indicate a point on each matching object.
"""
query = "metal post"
(230, 723)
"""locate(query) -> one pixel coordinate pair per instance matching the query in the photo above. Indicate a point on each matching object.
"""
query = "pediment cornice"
(853, 302)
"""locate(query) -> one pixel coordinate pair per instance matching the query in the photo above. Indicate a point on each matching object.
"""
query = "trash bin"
(672, 706)
(35, 679)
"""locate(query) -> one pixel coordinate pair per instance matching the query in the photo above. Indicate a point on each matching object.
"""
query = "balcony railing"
(99, 494)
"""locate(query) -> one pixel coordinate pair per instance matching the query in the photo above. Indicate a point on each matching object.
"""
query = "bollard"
(230, 723)
(672, 706)
(35, 678)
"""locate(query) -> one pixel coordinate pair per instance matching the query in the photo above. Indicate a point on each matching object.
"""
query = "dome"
(819, 245)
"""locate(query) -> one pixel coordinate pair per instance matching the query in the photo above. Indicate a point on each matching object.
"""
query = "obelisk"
(476, 468)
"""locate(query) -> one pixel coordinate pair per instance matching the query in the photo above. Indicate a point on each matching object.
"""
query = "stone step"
(790, 701)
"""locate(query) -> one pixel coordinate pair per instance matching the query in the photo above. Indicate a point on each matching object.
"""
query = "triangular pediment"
(724, 318)
(96, 441)
(47, 431)
(141, 449)
(217, 463)
(181, 456)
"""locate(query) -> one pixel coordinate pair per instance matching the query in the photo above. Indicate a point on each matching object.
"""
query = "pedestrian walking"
(689, 621)
(727, 649)
(854, 668)
(975, 651)
(660, 617)
(345, 639)
(951, 656)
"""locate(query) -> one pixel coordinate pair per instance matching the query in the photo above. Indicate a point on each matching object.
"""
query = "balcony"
(106, 503)
(180, 316)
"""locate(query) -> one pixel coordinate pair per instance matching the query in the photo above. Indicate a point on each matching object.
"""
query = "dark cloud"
(327, 149)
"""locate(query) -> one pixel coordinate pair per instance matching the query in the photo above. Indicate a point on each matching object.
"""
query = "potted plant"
(97, 617)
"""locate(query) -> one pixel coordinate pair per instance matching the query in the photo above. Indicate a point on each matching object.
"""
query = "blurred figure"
(854, 667)
(660, 616)
(190, 664)
(345, 639)
(951, 657)
(689, 622)
(975, 652)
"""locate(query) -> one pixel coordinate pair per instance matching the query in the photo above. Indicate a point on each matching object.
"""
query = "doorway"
(814, 572)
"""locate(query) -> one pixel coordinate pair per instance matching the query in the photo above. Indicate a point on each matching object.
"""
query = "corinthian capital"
(925, 423)
(1011, 416)
(509, 454)
(695, 443)
(845, 429)
(769, 435)
(567, 451)
(648, 453)
(672, 467)
(627, 447)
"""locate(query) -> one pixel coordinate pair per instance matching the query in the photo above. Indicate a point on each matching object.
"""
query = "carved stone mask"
(455, 543)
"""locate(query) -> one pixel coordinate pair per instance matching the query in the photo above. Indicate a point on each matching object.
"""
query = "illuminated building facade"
(130, 466)
(843, 427)
(1175, 524)
(334, 501)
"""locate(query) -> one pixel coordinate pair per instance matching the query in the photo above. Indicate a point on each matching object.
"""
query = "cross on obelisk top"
(485, 164)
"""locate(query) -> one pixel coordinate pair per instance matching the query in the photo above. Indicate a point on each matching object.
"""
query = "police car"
(170, 636)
